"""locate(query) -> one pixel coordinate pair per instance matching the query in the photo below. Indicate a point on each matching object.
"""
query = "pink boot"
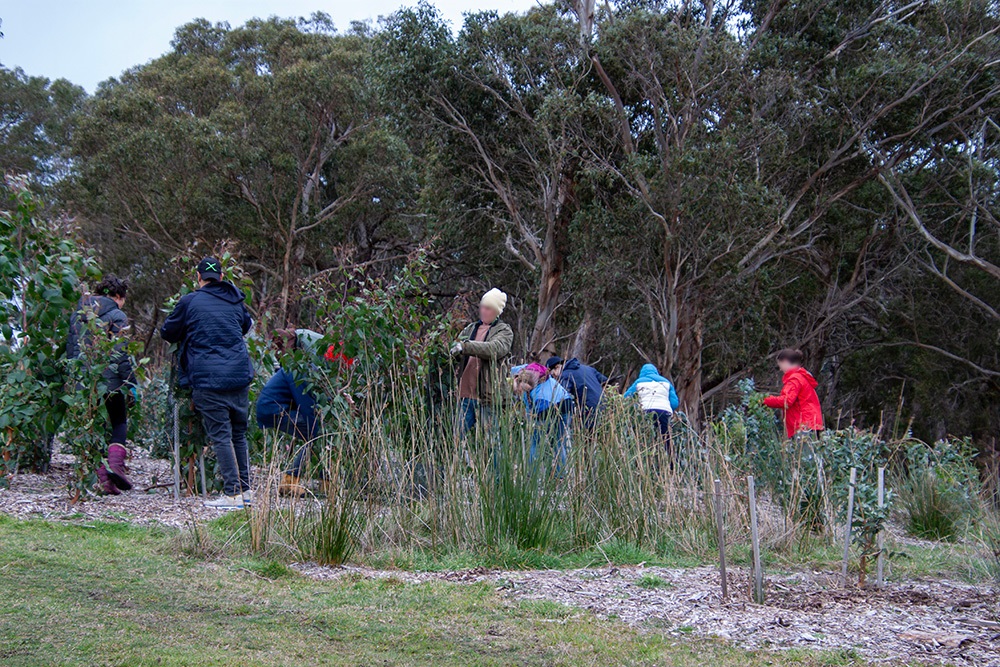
(106, 485)
(117, 472)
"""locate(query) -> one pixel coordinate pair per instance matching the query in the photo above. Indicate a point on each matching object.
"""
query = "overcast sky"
(87, 41)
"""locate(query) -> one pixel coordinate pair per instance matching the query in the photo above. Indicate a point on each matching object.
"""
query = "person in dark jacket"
(287, 403)
(209, 325)
(585, 383)
(105, 304)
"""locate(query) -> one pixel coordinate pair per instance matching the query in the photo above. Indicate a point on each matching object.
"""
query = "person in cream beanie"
(494, 299)
(483, 346)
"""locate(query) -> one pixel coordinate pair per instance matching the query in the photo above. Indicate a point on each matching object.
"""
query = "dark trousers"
(661, 419)
(224, 414)
(117, 409)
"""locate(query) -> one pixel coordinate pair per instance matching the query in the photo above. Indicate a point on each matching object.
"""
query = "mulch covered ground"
(46, 496)
(935, 622)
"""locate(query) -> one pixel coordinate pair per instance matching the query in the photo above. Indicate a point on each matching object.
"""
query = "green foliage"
(940, 488)
(41, 267)
(809, 476)
(264, 134)
(382, 342)
(652, 582)
(36, 123)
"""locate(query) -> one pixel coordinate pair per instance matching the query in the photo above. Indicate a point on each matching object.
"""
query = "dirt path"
(940, 622)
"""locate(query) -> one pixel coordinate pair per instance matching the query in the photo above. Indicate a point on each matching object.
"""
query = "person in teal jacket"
(657, 398)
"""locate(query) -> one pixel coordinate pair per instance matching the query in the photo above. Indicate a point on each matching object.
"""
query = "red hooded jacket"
(799, 401)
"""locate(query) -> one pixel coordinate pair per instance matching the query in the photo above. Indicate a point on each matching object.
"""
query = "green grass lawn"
(115, 594)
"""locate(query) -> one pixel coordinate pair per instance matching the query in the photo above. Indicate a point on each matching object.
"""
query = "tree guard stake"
(201, 467)
(880, 566)
(758, 573)
(722, 537)
(177, 450)
(850, 520)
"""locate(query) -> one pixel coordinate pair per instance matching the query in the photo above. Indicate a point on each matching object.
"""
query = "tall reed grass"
(398, 475)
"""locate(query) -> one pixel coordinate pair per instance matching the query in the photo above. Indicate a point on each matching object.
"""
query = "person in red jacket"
(798, 396)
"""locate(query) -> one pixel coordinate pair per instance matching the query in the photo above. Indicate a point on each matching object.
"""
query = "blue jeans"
(225, 415)
(301, 424)
(472, 412)
(555, 429)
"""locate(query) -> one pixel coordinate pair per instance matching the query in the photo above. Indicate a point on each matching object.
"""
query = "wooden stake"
(201, 467)
(758, 573)
(880, 562)
(721, 525)
(850, 520)
(177, 450)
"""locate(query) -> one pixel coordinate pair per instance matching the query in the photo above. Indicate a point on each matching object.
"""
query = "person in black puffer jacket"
(119, 381)
(209, 324)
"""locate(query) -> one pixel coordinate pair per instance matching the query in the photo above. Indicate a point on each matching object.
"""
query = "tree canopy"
(694, 184)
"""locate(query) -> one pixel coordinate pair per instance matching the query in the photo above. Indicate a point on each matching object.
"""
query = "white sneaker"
(248, 497)
(227, 503)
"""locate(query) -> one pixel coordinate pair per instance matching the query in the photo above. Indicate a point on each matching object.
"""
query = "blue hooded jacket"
(586, 383)
(283, 395)
(648, 373)
(548, 394)
(209, 324)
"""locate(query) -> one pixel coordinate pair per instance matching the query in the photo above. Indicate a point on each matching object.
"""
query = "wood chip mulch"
(926, 622)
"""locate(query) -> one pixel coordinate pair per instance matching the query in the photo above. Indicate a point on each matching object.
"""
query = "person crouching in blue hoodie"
(657, 398)
(286, 404)
(549, 405)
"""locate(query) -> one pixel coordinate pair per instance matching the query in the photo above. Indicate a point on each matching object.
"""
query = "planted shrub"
(41, 267)
(866, 452)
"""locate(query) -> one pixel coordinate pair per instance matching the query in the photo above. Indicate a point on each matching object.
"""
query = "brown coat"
(491, 354)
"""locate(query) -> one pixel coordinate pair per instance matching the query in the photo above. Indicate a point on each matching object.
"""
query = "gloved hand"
(456, 349)
(132, 395)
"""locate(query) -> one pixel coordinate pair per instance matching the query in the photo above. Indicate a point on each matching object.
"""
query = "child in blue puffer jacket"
(657, 398)
(549, 405)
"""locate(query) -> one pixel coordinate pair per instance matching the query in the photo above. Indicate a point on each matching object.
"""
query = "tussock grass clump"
(932, 512)
(940, 488)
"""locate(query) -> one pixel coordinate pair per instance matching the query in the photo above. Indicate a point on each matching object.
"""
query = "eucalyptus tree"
(749, 138)
(505, 101)
(36, 123)
(265, 135)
